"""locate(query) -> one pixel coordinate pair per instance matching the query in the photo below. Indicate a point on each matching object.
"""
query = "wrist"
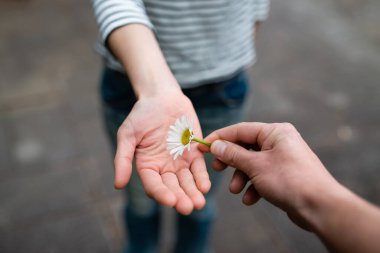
(156, 89)
(144, 63)
(173, 102)
(320, 210)
(153, 80)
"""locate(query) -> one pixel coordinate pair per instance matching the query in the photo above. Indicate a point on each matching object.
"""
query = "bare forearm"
(288, 174)
(345, 222)
(137, 49)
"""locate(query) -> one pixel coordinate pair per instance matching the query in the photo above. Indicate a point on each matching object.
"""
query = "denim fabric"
(217, 105)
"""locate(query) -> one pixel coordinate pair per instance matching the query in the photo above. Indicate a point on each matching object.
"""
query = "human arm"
(286, 172)
(160, 101)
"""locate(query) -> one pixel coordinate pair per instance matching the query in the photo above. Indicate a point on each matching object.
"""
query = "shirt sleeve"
(262, 9)
(112, 14)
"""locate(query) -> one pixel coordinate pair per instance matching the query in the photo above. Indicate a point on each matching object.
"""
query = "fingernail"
(218, 148)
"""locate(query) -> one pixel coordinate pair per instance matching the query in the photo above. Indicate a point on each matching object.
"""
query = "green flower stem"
(202, 142)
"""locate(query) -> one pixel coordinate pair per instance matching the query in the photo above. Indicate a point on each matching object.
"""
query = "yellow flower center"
(186, 135)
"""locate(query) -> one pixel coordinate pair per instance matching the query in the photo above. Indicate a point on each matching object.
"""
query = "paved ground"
(319, 69)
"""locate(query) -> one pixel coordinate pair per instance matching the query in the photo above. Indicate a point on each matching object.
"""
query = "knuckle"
(233, 155)
(288, 132)
(287, 127)
(277, 126)
(242, 125)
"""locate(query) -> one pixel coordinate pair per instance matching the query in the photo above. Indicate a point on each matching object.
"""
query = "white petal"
(172, 146)
(177, 149)
(171, 132)
(180, 126)
(177, 122)
(185, 122)
(183, 119)
(175, 143)
(172, 136)
(174, 140)
(174, 132)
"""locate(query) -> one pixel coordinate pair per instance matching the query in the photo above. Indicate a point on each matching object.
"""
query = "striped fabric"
(202, 40)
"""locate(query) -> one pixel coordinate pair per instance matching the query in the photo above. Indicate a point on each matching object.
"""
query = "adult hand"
(281, 167)
(143, 135)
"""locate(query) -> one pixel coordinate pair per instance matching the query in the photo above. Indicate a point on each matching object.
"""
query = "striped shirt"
(202, 40)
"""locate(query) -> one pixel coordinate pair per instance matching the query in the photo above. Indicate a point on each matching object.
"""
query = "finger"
(238, 182)
(199, 171)
(184, 204)
(126, 145)
(186, 181)
(251, 196)
(251, 133)
(156, 189)
(218, 165)
(203, 148)
(234, 155)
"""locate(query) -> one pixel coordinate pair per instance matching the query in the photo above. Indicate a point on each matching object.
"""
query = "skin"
(160, 101)
(279, 166)
(142, 136)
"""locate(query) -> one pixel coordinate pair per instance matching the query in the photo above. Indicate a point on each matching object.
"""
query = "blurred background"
(318, 68)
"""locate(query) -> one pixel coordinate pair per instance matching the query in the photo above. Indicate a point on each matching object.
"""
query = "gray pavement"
(319, 68)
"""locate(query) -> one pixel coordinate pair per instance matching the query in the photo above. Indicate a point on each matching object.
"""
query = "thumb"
(126, 145)
(233, 155)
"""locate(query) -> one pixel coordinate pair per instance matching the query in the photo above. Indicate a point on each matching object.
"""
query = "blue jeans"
(217, 105)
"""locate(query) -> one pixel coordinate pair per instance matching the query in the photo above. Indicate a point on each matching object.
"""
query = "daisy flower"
(180, 137)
